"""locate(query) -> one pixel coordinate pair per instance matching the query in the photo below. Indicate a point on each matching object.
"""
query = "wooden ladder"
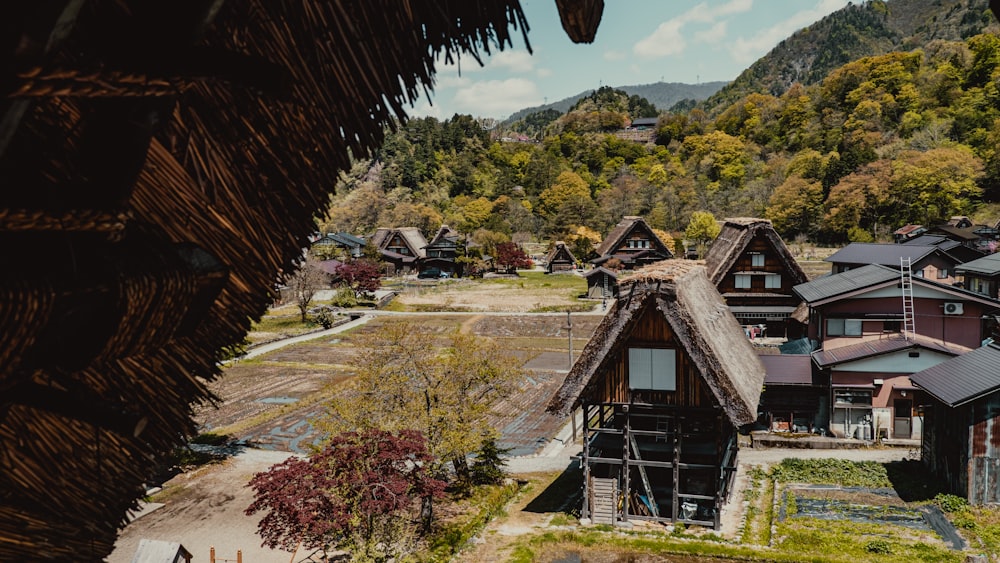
(906, 282)
(645, 479)
(603, 500)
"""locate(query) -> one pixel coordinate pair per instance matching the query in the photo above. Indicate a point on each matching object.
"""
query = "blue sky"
(638, 42)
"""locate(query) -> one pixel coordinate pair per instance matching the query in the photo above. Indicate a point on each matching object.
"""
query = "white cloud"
(543, 72)
(712, 35)
(613, 55)
(668, 38)
(513, 61)
(663, 42)
(496, 98)
(746, 50)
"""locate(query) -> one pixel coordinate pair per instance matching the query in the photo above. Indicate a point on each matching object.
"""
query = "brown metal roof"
(964, 378)
(871, 348)
(787, 369)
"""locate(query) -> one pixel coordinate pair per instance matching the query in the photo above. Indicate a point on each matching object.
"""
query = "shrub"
(951, 503)
(878, 547)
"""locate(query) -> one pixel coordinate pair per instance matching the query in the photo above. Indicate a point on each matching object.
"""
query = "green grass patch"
(485, 504)
(832, 472)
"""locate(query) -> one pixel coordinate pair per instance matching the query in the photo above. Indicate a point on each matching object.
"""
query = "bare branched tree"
(305, 282)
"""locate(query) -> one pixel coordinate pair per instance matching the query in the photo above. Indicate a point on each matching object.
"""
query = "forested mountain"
(879, 142)
(858, 30)
(661, 94)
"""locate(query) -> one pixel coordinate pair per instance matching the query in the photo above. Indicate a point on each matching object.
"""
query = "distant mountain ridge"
(858, 30)
(661, 94)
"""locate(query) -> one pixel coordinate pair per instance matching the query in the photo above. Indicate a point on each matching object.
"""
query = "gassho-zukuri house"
(665, 383)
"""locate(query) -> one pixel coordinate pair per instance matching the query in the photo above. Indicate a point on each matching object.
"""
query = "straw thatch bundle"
(160, 165)
(680, 291)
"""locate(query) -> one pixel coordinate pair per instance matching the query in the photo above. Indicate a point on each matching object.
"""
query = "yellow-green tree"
(409, 378)
(795, 206)
(703, 228)
(568, 186)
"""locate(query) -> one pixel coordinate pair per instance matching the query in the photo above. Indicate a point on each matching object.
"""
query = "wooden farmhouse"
(664, 384)
(400, 248)
(440, 254)
(961, 252)
(961, 438)
(633, 242)
(755, 273)
(560, 259)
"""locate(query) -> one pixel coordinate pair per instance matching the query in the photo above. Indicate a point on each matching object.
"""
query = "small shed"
(961, 438)
(602, 283)
(665, 383)
(560, 259)
(158, 551)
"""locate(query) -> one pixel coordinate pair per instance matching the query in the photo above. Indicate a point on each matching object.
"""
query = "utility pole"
(569, 328)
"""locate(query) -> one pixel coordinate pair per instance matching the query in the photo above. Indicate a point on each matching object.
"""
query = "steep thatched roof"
(681, 292)
(625, 227)
(160, 163)
(558, 249)
(733, 239)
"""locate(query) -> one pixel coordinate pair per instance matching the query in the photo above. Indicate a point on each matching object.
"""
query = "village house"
(927, 261)
(961, 437)
(755, 272)
(871, 340)
(633, 243)
(338, 245)
(665, 383)
(982, 275)
(401, 248)
(908, 232)
(953, 248)
(439, 259)
(560, 259)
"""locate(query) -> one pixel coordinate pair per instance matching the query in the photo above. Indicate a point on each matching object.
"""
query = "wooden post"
(585, 512)
(625, 457)
(239, 556)
(211, 554)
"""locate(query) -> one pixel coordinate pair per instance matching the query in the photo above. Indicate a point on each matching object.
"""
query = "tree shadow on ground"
(912, 481)
(562, 495)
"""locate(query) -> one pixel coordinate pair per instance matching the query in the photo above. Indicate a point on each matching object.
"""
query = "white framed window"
(772, 281)
(843, 327)
(652, 368)
(742, 281)
(942, 273)
(919, 273)
(757, 260)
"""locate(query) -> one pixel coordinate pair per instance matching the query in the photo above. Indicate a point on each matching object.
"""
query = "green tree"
(568, 185)
(796, 206)
(936, 184)
(702, 229)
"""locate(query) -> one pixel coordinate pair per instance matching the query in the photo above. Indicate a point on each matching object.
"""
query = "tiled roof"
(877, 253)
(787, 369)
(964, 378)
(987, 265)
(845, 282)
(871, 348)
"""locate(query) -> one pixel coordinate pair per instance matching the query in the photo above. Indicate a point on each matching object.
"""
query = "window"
(852, 397)
(757, 260)
(652, 368)
(918, 273)
(742, 281)
(942, 273)
(772, 282)
(843, 327)
(891, 326)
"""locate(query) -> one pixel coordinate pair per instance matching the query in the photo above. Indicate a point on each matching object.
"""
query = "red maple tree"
(510, 257)
(351, 495)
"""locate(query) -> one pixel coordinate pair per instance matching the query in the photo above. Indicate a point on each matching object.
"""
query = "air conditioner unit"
(953, 308)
